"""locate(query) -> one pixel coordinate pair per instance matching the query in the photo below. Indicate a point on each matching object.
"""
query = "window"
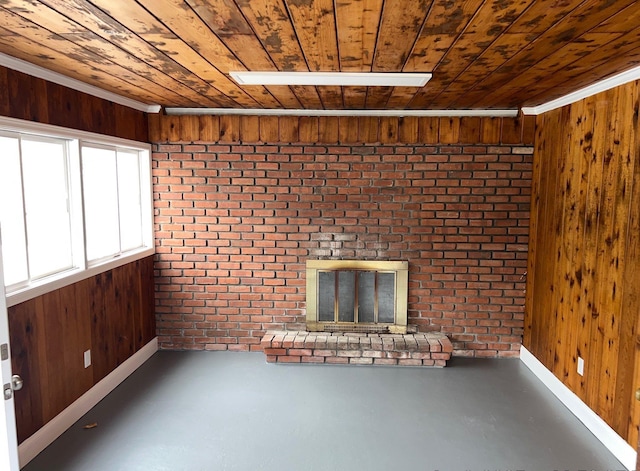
(71, 203)
(111, 191)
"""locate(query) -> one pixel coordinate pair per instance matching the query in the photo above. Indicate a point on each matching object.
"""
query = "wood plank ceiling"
(483, 53)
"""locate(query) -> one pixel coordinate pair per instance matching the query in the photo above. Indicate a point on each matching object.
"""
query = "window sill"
(60, 280)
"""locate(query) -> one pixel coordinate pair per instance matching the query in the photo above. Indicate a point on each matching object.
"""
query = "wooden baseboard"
(37, 442)
(617, 445)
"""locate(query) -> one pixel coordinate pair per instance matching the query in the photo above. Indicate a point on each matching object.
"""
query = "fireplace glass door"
(356, 296)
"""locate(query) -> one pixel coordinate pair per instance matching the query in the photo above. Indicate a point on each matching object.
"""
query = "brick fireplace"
(236, 223)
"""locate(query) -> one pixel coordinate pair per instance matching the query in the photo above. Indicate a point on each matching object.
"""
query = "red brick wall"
(236, 223)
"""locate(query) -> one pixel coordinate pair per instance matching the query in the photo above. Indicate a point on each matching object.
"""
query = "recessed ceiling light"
(362, 79)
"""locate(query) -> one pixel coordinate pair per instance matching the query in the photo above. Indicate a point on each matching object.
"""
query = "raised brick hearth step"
(418, 349)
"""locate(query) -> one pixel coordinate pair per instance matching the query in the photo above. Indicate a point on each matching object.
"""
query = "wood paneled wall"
(25, 97)
(111, 314)
(583, 286)
(343, 130)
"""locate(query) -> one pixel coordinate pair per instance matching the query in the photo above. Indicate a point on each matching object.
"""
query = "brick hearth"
(418, 349)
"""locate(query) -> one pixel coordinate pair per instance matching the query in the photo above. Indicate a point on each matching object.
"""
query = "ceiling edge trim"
(55, 77)
(586, 92)
(316, 112)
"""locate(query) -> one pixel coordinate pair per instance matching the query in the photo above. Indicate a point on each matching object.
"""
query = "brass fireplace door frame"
(401, 270)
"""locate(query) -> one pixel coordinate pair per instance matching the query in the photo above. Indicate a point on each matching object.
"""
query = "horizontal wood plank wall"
(583, 287)
(342, 130)
(112, 314)
(33, 99)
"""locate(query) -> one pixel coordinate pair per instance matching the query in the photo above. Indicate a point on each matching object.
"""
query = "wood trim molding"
(603, 432)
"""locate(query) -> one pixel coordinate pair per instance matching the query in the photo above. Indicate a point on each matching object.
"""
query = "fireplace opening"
(356, 296)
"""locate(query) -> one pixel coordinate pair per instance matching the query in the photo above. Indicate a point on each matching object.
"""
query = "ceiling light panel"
(346, 79)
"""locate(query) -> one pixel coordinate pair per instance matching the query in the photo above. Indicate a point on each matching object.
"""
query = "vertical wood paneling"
(170, 129)
(429, 130)
(388, 130)
(368, 129)
(469, 130)
(490, 130)
(568, 293)
(189, 128)
(64, 99)
(308, 129)
(511, 130)
(343, 129)
(348, 129)
(5, 109)
(146, 330)
(537, 199)
(27, 339)
(269, 129)
(408, 130)
(130, 125)
(155, 126)
(328, 129)
(554, 234)
(111, 314)
(75, 300)
(229, 128)
(582, 118)
(582, 286)
(616, 339)
(25, 97)
(249, 128)
(449, 130)
(538, 278)
(102, 335)
(289, 129)
(622, 389)
(590, 252)
(30, 105)
(127, 305)
(528, 130)
(631, 294)
(209, 128)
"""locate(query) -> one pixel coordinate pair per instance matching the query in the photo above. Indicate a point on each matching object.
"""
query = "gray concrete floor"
(232, 411)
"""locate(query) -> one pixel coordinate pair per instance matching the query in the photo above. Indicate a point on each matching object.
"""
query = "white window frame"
(83, 270)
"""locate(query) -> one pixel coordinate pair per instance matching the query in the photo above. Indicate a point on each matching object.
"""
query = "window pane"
(129, 196)
(14, 247)
(45, 198)
(100, 191)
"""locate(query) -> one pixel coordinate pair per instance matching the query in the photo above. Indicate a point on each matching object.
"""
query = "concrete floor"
(232, 411)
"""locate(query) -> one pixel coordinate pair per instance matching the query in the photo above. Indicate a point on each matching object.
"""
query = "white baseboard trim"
(624, 452)
(37, 442)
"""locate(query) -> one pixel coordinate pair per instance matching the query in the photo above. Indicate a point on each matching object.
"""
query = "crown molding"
(308, 112)
(55, 77)
(601, 86)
